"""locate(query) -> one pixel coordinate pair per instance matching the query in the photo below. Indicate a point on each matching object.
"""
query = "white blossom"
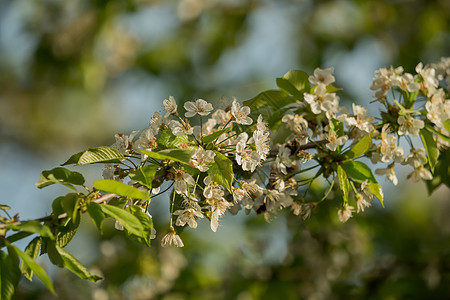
(179, 129)
(415, 159)
(419, 173)
(409, 125)
(187, 216)
(124, 142)
(170, 106)
(283, 159)
(334, 141)
(361, 203)
(389, 172)
(240, 114)
(345, 213)
(201, 158)
(322, 76)
(171, 238)
(200, 107)
(360, 119)
(322, 101)
(181, 181)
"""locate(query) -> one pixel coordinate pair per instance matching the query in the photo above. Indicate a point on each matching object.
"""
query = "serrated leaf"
(9, 274)
(31, 250)
(116, 187)
(66, 233)
(144, 175)
(343, 183)
(360, 147)
(168, 140)
(71, 204)
(180, 155)
(221, 171)
(146, 222)
(33, 227)
(210, 138)
(102, 154)
(430, 147)
(60, 175)
(76, 266)
(128, 221)
(377, 190)
(37, 269)
(53, 254)
(96, 214)
(358, 171)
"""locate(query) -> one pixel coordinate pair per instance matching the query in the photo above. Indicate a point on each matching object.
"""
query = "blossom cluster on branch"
(263, 155)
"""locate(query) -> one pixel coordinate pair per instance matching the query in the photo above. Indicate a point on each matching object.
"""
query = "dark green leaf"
(116, 187)
(221, 170)
(360, 147)
(60, 175)
(102, 154)
(430, 147)
(15, 237)
(4, 207)
(343, 183)
(37, 269)
(71, 204)
(441, 172)
(358, 171)
(210, 138)
(76, 266)
(67, 232)
(128, 221)
(9, 274)
(144, 175)
(168, 140)
(96, 214)
(53, 254)
(33, 227)
(180, 155)
(146, 222)
(294, 82)
(31, 250)
(437, 132)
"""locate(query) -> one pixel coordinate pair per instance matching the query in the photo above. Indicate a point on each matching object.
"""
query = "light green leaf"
(168, 140)
(96, 214)
(9, 274)
(129, 222)
(116, 187)
(76, 266)
(33, 227)
(360, 147)
(102, 154)
(144, 175)
(437, 132)
(37, 269)
(221, 171)
(146, 222)
(60, 175)
(294, 82)
(4, 207)
(210, 138)
(343, 183)
(180, 155)
(447, 124)
(431, 148)
(441, 172)
(271, 99)
(33, 251)
(376, 189)
(358, 171)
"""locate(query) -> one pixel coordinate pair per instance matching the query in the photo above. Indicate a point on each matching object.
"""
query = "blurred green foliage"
(62, 62)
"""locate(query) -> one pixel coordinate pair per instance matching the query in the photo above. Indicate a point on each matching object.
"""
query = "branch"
(61, 216)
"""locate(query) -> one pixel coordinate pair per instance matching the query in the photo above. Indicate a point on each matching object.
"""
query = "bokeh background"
(74, 73)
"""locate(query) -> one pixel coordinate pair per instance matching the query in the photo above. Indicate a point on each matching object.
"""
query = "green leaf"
(31, 250)
(102, 154)
(441, 173)
(294, 82)
(144, 175)
(431, 148)
(76, 266)
(15, 237)
(96, 214)
(37, 269)
(409, 98)
(9, 274)
(33, 227)
(377, 190)
(437, 132)
(271, 99)
(210, 138)
(53, 254)
(66, 233)
(146, 222)
(360, 147)
(221, 171)
(4, 207)
(71, 204)
(343, 183)
(168, 140)
(447, 124)
(358, 171)
(116, 187)
(60, 175)
(128, 221)
(180, 155)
